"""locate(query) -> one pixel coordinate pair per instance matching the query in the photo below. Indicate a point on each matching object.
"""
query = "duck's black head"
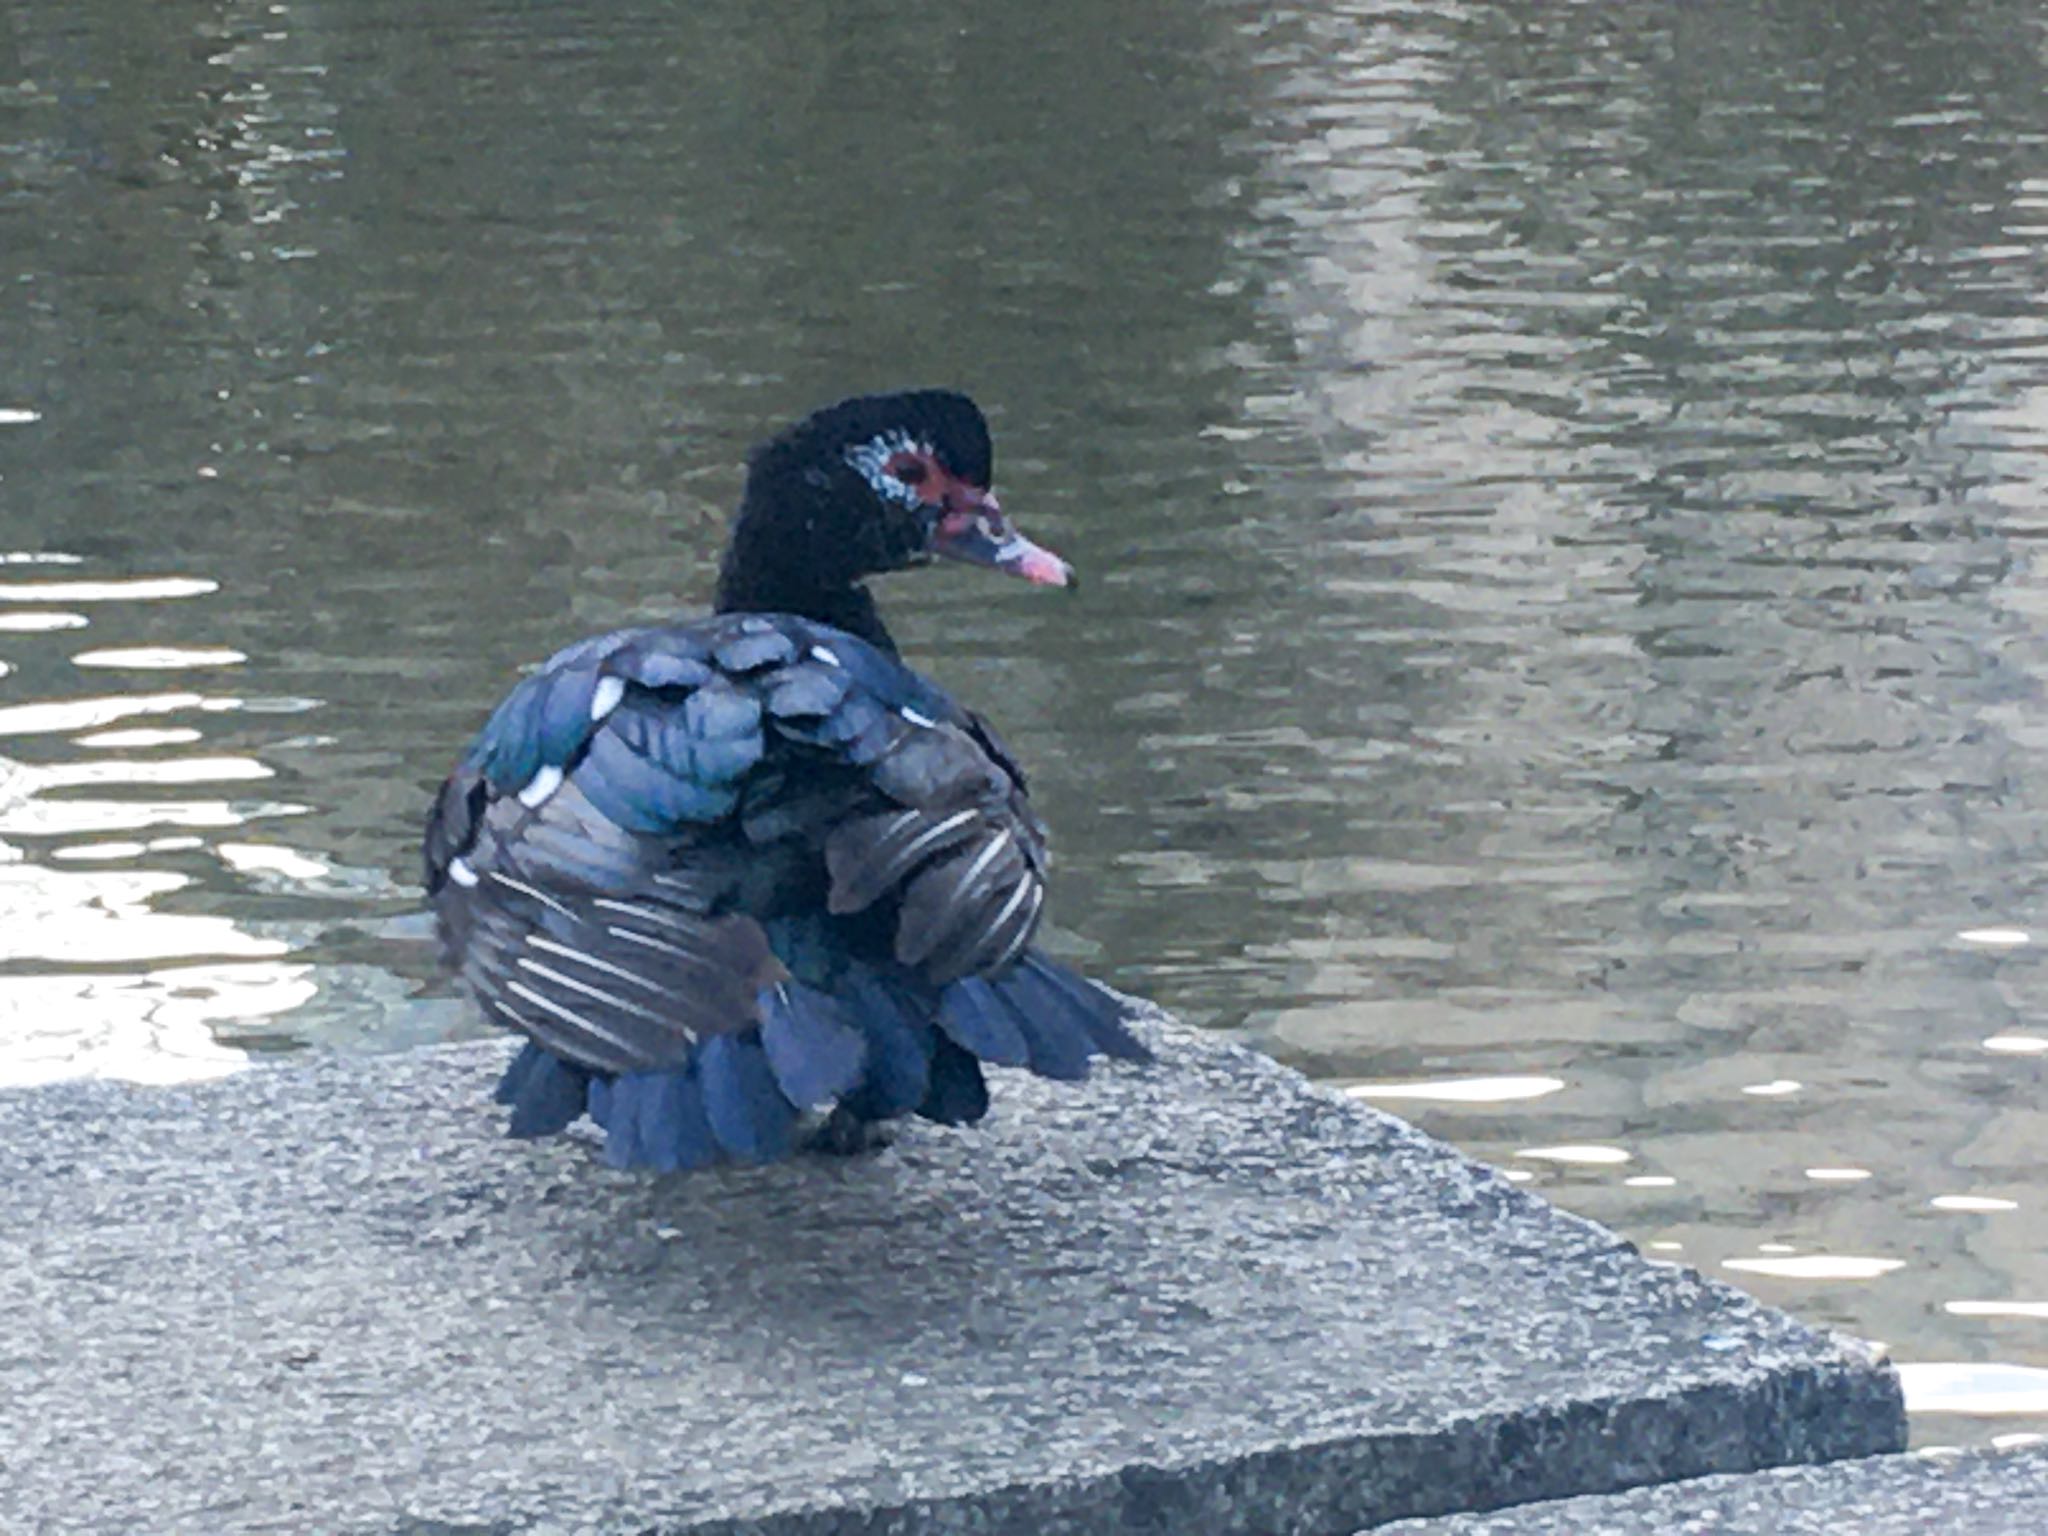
(873, 484)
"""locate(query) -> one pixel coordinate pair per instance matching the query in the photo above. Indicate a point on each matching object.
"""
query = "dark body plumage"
(724, 873)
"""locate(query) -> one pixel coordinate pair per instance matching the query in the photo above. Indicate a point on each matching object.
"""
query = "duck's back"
(724, 872)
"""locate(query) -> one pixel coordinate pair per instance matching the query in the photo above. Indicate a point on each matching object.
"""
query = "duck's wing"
(584, 861)
(610, 859)
(937, 832)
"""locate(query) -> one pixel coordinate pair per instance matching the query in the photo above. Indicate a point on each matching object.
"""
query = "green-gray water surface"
(1560, 491)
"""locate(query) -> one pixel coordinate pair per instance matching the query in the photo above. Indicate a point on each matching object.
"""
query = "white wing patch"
(604, 698)
(544, 782)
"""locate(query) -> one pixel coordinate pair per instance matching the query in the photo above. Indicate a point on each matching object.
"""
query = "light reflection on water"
(1976, 1390)
(1560, 491)
(88, 922)
(104, 967)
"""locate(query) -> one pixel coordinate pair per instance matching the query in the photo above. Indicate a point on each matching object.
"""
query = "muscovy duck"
(750, 883)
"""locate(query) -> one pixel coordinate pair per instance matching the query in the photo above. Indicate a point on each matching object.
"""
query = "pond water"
(1561, 492)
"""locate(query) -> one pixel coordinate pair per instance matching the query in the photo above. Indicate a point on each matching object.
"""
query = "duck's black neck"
(748, 587)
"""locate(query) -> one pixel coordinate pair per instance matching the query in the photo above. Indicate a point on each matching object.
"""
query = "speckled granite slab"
(1203, 1297)
(1981, 1493)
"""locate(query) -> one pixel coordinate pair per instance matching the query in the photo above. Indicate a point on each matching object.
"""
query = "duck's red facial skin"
(972, 528)
(970, 525)
(935, 485)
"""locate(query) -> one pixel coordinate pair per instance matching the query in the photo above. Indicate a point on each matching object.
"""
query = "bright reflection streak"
(1997, 1308)
(1961, 1387)
(1575, 1154)
(36, 623)
(2017, 1045)
(140, 736)
(160, 657)
(1651, 1181)
(150, 1027)
(1994, 938)
(18, 416)
(1818, 1266)
(27, 812)
(97, 917)
(79, 818)
(1838, 1175)
(1776, 1088)
(168, 770)
(147, 587)
(1461, 1090)
(265, 858)
(84, 714)
(88, 852)
(1972, 1203)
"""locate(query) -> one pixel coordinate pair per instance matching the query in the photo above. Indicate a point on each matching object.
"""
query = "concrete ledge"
(1201, 1298)
(1981, 1493)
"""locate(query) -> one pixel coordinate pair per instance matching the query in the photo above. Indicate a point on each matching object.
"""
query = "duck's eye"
(909, 470)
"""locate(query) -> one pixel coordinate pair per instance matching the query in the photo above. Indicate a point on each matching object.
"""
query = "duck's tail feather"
(739, 1096)
(654, 1120)
(748, 1113)
(814, 1041)
(895, 1020)
(724, 1105)
(878, 1047)
(1041, 1015)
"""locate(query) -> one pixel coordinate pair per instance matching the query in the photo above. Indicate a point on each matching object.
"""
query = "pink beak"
(979, 534)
